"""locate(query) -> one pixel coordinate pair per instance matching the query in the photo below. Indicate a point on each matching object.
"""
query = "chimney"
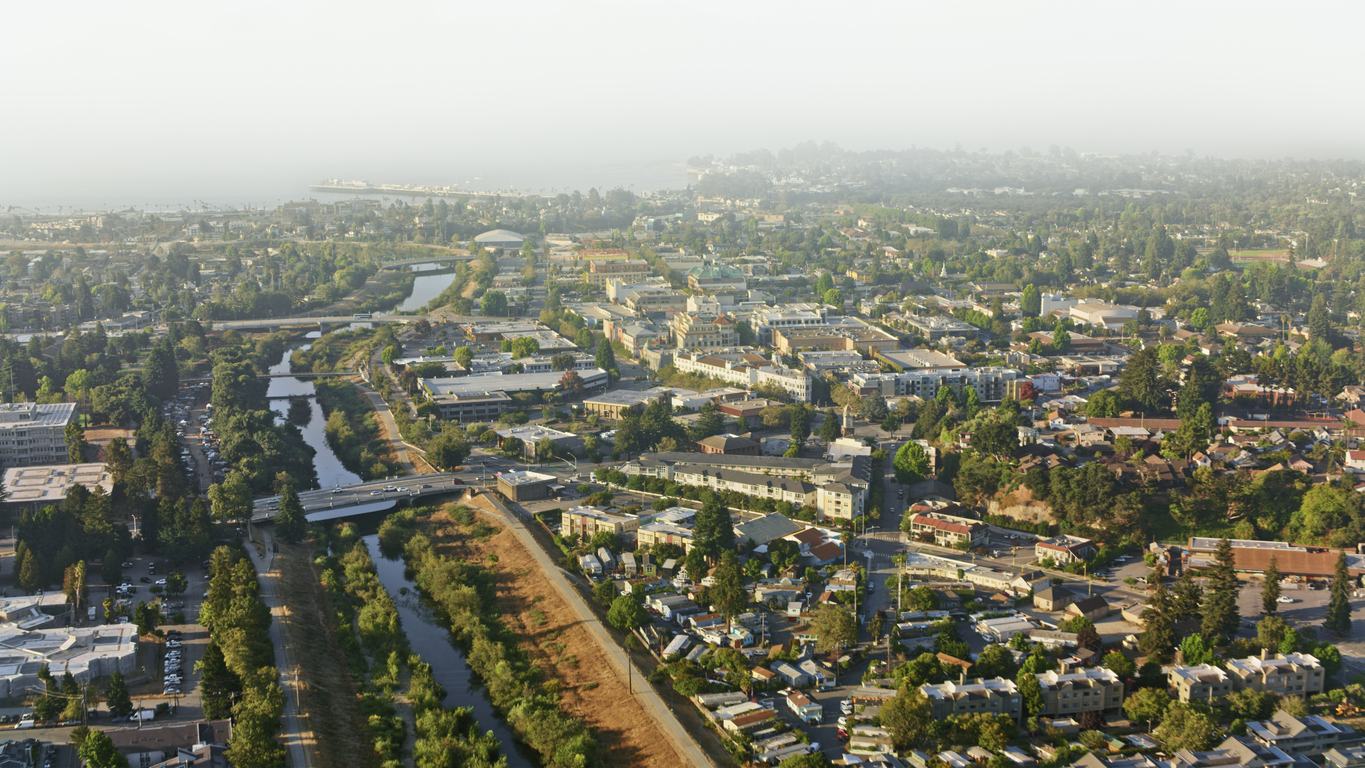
(1265, 654)
(962, 679)
(1063, 667)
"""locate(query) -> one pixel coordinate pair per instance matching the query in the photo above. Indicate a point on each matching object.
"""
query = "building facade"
(625, 270)
(1067, 693)
(33, 434)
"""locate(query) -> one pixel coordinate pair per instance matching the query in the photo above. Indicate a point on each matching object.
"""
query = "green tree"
(75, 443)
(907, 717)
(1032, 302)
(493, 304)
(911, 463)
(1121, 665)
(231, 499)
(161, 372)
(835, 299)
(1338, 617)
(996, 438)
(1031, 693)
(824, 284)
(1186, 597)
(116, 695)
(783, 553)
(290, 523)
(710, 421)
(1270, 590)
(727, 592)
(1220, 599)
(834, 629)
(98, 751)
(1158, 637)
(873, 408)
(1102, 405)
(830, 428)
(626, 613)
(713, 531)
(1147, 704)
(800, 423)
(1141, 383)
(1184, 727)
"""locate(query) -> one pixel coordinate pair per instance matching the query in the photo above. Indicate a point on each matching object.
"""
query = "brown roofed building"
(1290, 559)
(730, 445)
(948, 531)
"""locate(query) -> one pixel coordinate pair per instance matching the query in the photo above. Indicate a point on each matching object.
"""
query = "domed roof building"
(500, 238)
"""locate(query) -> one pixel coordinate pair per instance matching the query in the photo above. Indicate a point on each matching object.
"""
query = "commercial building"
(947, 530)
(1103, 315)
(996, 696)
(485, 397)
(766, 321)
(1065, 549)
(34, 434)
(716, 277)
(589, 521)
(33, 488)
(936, 327)
(1294, 674)
(525, 486)
(530, 435)
(501, 238)
(625, 270)
(1067, 693)
(915, 359)
(642, 301)
(850, 334)
(619, 403)
(30, 639)
(693, 330)
(1291, 559)
(729, 445)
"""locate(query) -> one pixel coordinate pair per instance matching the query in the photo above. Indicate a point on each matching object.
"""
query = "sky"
(145, 102)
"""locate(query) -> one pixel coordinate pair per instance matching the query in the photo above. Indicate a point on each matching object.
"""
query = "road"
(296, 740)
(644, 694)
(414, 486)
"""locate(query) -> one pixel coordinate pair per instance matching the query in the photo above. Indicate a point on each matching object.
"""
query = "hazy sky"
(254, 100)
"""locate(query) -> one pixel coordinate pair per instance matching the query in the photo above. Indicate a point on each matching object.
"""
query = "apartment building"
(991, 383)
(1204, 682)
(620, 403)
(1294, 674)
(947, 530)
(625, 270)
(33, 434)
(996, 696)
(748, 370)
(840, 500)
(936, 327)
(589, 521)
(788, 489)
(1066, 692)
(1064, 549)
(693, 330)
(1307, 735)
(664, 532)
(716, 277)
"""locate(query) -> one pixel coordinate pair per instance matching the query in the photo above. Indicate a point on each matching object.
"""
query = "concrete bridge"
(361, 498)
(433, 259)
(299, 375)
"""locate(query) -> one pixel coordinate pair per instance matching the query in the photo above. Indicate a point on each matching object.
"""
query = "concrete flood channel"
(425, 636)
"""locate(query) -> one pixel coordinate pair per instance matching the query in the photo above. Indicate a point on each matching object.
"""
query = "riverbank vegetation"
(368, 629)
(353, 430)
(249, 439)
(463, 597)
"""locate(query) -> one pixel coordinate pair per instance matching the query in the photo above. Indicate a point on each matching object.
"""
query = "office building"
(34, 434)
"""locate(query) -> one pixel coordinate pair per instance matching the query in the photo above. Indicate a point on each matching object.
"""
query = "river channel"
(432, 642)
(426, 287)
(424, 635)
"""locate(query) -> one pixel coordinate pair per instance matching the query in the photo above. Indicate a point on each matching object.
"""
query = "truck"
(144, 715)
(90, 613)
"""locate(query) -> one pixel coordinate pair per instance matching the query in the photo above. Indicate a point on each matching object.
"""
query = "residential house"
(948, 531)
(1069, 693)
(1307, 735)
(994, 696)
(1065, 549)
(1093, 608)
(1053, 598)
(1204, 682)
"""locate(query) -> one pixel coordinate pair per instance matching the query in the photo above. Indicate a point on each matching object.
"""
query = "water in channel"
(328, 466)
(426, 287)
(432, 642)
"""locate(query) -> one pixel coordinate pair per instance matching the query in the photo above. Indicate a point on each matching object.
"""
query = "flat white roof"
(51, 482)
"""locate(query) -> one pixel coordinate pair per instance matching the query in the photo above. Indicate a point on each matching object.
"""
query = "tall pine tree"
(1157, 640)
(1270, 590)
(1338, 617)
(1220, 599)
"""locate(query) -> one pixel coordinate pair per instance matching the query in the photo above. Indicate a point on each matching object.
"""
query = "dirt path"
(573, 649)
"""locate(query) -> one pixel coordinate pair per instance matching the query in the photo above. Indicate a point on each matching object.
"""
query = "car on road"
(390, 488)
(127, 565)
(336, 490)
(1284, 599)
(376, 493)
(145, 580)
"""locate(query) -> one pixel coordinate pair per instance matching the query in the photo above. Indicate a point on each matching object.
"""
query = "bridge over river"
(361, 498)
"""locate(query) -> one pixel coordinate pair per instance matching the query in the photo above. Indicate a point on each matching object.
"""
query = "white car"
(1283, 599)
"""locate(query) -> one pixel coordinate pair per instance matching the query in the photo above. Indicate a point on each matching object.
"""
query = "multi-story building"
(840, 500)
(34, 487)
(1103, 315)
(620, 403)
(991, 383)
(1204, 682)
(34, 434)
(935, 327)
(589, 521)
(1307, 735)
(625, 270)
(485, 397)
(748, 370)
(1294, 674)
(949, 531)
(1064, 549)
(716, 277)
(692, 330)
(766, 321)
(1067, 693)
(996, 696)
(786, 489)
(643, 301)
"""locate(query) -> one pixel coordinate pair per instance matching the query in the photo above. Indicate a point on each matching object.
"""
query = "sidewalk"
(297, 741)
